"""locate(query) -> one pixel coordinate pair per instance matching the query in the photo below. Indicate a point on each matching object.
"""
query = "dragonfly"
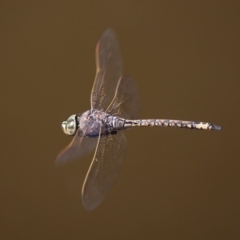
(114, 108)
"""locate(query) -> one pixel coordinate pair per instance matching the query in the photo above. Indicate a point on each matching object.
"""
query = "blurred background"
(175, 184)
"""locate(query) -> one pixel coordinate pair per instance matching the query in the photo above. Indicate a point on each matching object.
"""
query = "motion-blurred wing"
(125, 103)
(109, 71)
(77, 148)
(104, 169)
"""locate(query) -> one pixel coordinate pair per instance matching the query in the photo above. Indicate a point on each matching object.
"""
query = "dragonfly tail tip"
(216, 127)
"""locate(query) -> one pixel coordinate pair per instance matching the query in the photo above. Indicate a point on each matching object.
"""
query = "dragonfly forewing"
(109, 71)
(104, 169)
(78, 147)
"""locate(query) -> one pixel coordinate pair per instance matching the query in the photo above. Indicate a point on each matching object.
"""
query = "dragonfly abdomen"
(115, 123)
(170, 123)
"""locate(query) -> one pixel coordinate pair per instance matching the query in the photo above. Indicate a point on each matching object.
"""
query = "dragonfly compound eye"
(69, 127)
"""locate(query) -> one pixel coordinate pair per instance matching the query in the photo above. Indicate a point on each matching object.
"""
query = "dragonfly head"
(69, 127)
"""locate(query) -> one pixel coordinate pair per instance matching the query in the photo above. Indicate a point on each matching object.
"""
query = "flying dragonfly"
(114, 108)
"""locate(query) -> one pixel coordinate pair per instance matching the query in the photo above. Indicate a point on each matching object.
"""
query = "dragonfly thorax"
(92, 122)
(69, 127)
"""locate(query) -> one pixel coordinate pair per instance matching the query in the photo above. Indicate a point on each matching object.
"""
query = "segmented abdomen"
(170, 123)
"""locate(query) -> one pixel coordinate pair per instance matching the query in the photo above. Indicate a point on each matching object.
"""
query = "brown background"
(175, 184)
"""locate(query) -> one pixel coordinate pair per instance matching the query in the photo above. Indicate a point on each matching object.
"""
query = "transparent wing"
(79, 147)
(109, 71)
(125, 103)
(104, 169)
